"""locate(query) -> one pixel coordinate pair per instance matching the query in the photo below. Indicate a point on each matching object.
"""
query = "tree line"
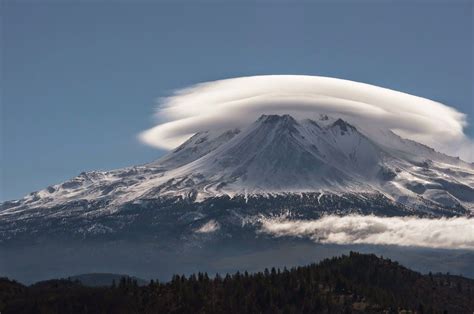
(354, 283)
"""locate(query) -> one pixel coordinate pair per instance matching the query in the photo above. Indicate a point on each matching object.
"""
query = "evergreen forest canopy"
(358, 283)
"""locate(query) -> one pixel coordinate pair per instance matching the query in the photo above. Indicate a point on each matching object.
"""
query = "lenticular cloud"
(236, 102)
(450, 233)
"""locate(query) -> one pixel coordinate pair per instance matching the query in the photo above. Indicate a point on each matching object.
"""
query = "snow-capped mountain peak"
(276, 154)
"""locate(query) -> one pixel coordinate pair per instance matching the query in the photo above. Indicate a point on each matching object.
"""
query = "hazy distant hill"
(103, 279)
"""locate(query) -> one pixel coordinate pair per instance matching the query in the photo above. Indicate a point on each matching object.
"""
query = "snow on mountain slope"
(275, 154)
(197, 146)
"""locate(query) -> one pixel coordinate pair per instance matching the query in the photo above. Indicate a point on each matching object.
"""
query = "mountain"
(279, 154)
(207, 200)
(354, 283)
(274, 155)
(274, 158)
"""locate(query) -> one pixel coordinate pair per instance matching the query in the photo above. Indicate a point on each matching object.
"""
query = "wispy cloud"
(449, 233)
(238, 101)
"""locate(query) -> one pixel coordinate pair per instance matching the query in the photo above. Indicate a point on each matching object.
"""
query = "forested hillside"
(357, 283)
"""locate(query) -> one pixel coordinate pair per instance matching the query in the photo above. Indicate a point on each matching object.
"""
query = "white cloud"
(239, 101)
(449, 233)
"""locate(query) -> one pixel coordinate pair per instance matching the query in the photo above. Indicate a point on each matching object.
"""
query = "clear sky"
(79, 79)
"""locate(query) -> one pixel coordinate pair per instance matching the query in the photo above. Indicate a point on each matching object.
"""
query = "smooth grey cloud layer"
(449, 233)
(238, 101)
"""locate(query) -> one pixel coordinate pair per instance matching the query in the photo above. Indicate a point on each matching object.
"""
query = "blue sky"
(79, 80)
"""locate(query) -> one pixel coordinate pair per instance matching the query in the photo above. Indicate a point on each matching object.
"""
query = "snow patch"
(209, 227)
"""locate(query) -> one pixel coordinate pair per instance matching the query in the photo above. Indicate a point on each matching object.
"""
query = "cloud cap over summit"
(239, 101)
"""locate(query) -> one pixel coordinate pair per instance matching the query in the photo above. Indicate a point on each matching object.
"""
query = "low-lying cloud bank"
(236, 102)
(447, 233)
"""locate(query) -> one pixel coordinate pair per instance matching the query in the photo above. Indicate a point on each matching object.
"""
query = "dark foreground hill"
(357, 283)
